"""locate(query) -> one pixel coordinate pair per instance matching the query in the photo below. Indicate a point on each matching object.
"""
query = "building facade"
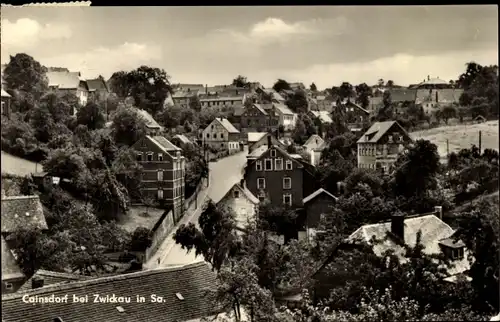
(242, 203)
(287, 118)
(163, 172)
(258, 118)
(69, 82)
(221, 135)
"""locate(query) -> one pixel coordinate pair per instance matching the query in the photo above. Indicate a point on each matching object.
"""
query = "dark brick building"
(259, 118)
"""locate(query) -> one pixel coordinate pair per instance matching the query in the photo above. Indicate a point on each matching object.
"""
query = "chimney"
(36, 282)
(428, 77)
(269, 141)
(242, 183)
(439, 212)
(398, 225)
(206, 88)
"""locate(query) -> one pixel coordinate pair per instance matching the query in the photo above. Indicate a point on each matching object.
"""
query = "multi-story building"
(271, 173)
(220, 102)
(65, 81)
(163, 171)
(355, 115)
(287, 118)
(98, 89)
(183, 98)
(222, 136)
(259, 118)
(379, 147)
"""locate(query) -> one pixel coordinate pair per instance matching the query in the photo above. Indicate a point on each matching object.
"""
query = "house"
(181, 141)
(18, 212)
(432, 99)
(259, 118)
(183, 98)
(263, 142)
(98, 89)
(287, 118)
(271, 94)
(44, 278)
(355, 115)
(297, 86)
(163, 171)
(271, 173)
(317, 205)
(314, 146)
(222, 136)
(152, 127)
(380, 145)
(323, 116)
(437, 237)
(6, 98)
(242, 202)
(69, 82)
(188, 87)
(253, 137)
(220, 102)
(166, 294)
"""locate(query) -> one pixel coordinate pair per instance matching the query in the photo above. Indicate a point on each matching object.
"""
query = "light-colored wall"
(242, 207)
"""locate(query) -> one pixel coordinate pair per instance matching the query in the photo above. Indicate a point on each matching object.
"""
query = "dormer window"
(160, 157)
(273, 153)
(453, 250)
(236, 194)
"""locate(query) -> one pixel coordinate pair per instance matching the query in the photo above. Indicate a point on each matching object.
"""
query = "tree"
(195, 103)
(390, 83)
(60, 106)
(299, 133)
(128, 172)
(313, 87)
(128, 126)
(363, 93)
(380, 82)
(448, 112)
(240, 81)
(346, 91)
(141, 239)
(385, 113)
(26, 75)
(298, 102)
(281, 85)
(91, 115)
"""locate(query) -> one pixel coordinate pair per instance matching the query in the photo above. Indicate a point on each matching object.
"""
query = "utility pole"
(447, 148)
(480, 151)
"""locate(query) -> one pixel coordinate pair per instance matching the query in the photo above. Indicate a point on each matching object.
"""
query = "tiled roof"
(377, 130)
(184, 94)
(255, 136)
(317, 193)
(10, 268)
(50, 278)
(432, 229)
(227, 125)
(258, 152)
(165, 144)
(445, 95)
(5, 94)
(402, 95)
(182, 138)
(22, 212)
(97, 84)
(433, 81)
(283, 109)
(244, 190)
(150, 121)
(64, 80)
(183, 291)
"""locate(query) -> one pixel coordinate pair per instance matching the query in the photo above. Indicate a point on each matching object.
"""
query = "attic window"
(273, 153)
(236, 194)
(179, 296)
(8, 285)
(120, 309)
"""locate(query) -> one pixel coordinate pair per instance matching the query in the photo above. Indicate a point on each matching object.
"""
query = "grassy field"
(137, 217)
(461, 136)
(14, 165)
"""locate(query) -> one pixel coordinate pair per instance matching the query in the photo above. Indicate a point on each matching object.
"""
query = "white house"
(242, 203)
(287, 118)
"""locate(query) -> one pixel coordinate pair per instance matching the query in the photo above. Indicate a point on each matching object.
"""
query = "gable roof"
(164, 144)
(5, 94)
(255, 136)
(50, 277)
(182, 138)
(190, 281)
(64, 80)
(244, 190)
(260, 108)
(283, 109)
(260, 142)
(314, 139)
(433, 231)
(148, 118)
(10, 268)
(324, 116)
(377, 130)
(317, 193)
(227, 125)
(97, 84)
(349, 102)
(264, 150)
(22, 212)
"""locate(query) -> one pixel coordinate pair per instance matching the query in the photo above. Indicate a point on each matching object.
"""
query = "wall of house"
(274, 180)
(242, 207)
(216, 136)
(254, 121)
(12, 285)
(315, 157)
(221, 103)
(288, 121)
(322, 204)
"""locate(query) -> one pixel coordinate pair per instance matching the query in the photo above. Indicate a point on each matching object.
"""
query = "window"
(262, 197)
(8, 285)
(261, 183)
(287, 183)
(236, 194)
(160, 157)
(139, 156)
(212, 127)
(222, 135)
(268, 165)
(222, 145)
(287, 199)
(150, 156)
(278, 164)
(390, 138)
(208, 135)
(457, 253)
(160, 175)
(258, 165)
(273, 153)
(288, 164)
(215, 135)
(160, 194)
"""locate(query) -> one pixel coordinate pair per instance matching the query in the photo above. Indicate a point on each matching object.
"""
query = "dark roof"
(377, 130)
(10, 268)
(403, 95)
(21, 212)
(50, 278)
(191, 281)
(97, 84)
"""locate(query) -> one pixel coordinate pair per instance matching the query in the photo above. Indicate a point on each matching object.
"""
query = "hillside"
(461, 136)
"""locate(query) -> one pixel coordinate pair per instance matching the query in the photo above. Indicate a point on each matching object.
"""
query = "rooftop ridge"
(20, 197)
(99, 280)
(386, 221)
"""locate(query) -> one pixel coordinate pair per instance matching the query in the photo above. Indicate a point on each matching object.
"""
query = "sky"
(326, 45)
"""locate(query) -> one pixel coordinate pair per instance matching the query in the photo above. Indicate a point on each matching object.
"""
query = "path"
(224, 174)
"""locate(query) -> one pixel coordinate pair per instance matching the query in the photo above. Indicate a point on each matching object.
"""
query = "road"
(224, 174)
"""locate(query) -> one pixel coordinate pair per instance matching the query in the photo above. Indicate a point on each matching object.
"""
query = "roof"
(258, 152)
(10, 268)
(433, 81)
(227, 125)
(150, 121)
(222, 99)
(97, 84)
(314, 139)
(349, 102)
(244, 190)
(191, 282)
(21, 212)
(324, 116)
(184, 93)
(283, 109)
(377, 130)
(5, 94)
(444, 95)
(261, 108)
(317, 193)
(238, 110)
(164, 144)
(402, 95)
(182, 138)
(64, 80)
(50, 277)
(255, 136)
(432, 229)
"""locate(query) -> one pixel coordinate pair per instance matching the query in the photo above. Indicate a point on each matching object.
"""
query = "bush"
(141, 239)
